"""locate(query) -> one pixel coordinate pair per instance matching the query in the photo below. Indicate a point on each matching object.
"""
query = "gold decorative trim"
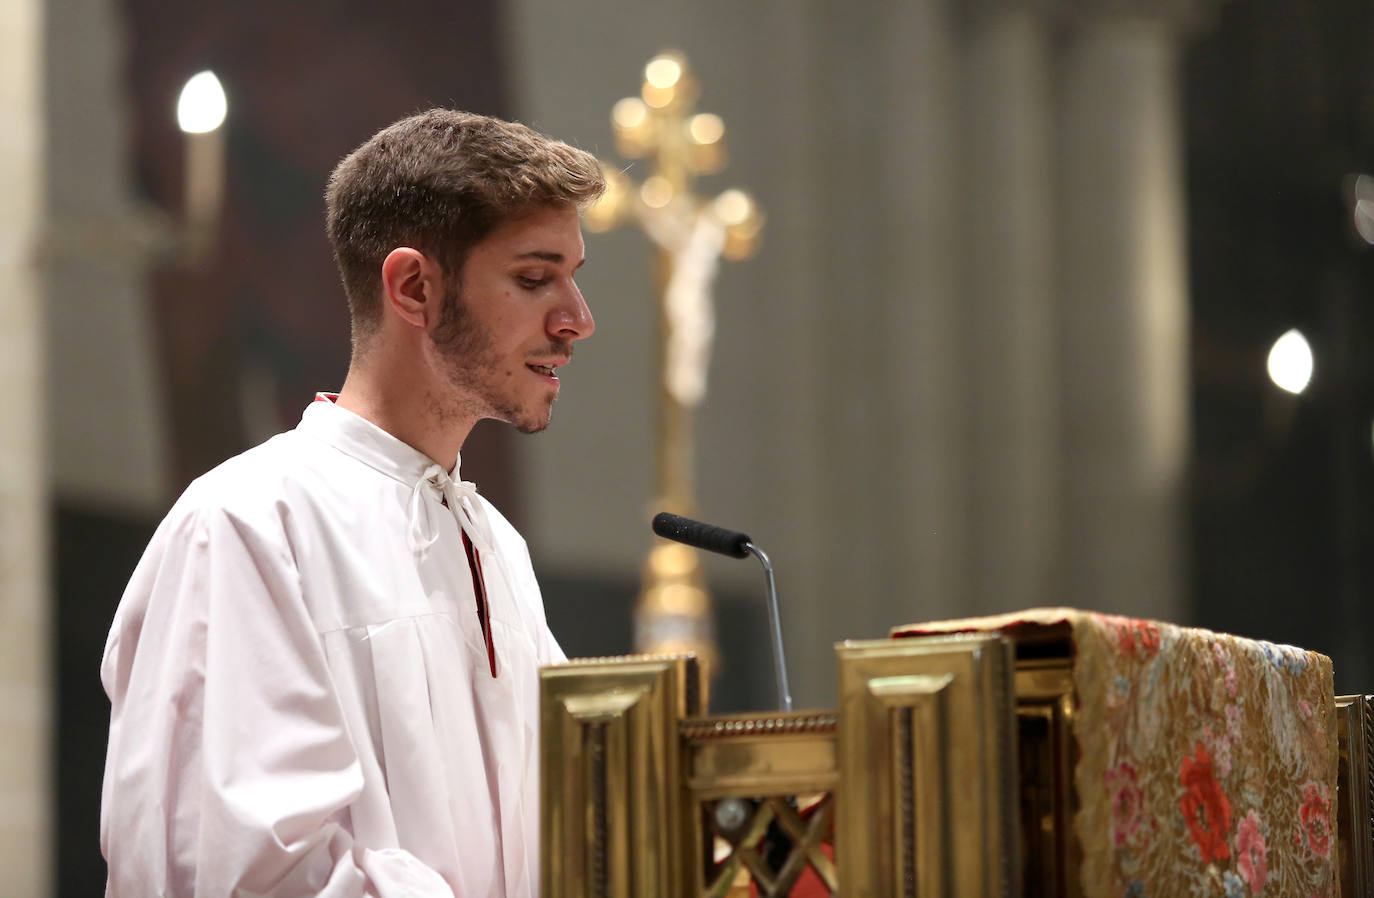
(757, 756)
(1047, 750)
(612, 816)
(1355, 793)
(723, 727)
(629, 659)
(927, 768)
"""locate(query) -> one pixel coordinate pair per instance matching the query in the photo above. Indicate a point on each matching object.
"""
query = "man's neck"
(395, 392)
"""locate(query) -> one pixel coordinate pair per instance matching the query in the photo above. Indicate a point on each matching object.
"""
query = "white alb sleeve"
(229, 769)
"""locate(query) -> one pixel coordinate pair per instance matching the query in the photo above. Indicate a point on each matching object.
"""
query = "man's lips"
(549, 369)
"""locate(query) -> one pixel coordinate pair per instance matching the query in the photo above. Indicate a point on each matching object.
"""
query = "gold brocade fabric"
(1207, 762)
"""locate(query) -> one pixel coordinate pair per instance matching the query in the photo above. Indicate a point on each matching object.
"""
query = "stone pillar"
(913, 449)
(782, 493)
(1124, 311)
(1008, 206)
(26, 773)
(108, 447)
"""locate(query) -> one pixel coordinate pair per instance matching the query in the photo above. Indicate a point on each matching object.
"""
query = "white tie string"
(468, 510)
(463, 504)
(470, 513)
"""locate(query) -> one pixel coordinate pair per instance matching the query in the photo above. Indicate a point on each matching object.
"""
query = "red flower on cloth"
(1127, 801)
(1315, 814)
(1206, 809)
(1148, 634)
(1251, 857)
(1134, 636)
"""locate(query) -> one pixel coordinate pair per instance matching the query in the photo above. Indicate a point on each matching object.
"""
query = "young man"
(324, 671)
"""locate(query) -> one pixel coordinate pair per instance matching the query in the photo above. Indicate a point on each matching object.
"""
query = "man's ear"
(412, 286)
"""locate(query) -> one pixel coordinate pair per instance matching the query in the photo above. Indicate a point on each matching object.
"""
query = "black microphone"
(701, 536)
(736, 545)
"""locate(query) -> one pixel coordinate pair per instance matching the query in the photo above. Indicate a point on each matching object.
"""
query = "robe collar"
(358, 437)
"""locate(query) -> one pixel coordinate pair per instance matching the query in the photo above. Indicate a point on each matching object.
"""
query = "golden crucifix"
(673, 613)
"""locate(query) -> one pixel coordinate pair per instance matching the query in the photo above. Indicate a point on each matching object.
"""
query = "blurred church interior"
(1008, 340)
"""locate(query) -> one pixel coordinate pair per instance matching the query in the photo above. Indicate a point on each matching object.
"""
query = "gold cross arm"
(661, 125)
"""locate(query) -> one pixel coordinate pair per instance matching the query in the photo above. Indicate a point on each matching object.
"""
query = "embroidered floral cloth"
(1207, 762)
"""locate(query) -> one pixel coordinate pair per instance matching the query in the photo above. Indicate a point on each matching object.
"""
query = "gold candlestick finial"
(673, 612)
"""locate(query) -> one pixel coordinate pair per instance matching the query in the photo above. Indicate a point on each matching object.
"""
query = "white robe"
(301, 697)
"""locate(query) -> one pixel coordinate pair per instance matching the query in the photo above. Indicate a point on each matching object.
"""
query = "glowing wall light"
(202, 105)
(201, 110)
(1290, 362)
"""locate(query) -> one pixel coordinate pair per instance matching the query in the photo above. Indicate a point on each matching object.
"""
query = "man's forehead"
(552, 235)
(545, 255)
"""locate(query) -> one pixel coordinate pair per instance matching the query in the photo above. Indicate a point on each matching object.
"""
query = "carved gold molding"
(927, 741)
(611, 820)
(1047, 751)
(1355, 800)
(764, 768)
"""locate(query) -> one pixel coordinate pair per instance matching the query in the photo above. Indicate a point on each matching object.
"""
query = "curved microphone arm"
(775, 627)
(736, 545)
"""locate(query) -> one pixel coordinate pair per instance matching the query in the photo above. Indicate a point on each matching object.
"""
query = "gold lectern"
(960, 762)
(910, 781)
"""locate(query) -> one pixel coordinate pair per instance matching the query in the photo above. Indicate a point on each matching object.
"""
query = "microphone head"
(701, 536)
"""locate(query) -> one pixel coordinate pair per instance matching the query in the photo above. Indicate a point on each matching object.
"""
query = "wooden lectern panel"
(612, 821)
(927, 768)
(1355, 794)
(761, 787)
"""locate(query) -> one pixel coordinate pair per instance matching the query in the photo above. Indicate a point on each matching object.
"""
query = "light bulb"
(202, 105)
(1290, 362)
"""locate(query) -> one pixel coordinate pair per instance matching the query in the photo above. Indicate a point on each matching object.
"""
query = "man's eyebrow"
(548, 256)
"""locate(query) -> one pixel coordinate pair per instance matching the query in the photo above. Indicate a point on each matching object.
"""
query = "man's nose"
(572, 320)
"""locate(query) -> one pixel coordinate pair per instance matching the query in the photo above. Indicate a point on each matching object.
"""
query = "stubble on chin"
(534, 424)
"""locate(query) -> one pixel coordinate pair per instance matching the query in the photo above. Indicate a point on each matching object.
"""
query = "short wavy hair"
(442, 181)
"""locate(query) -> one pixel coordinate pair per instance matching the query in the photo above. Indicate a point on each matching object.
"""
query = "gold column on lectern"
(673, 612)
